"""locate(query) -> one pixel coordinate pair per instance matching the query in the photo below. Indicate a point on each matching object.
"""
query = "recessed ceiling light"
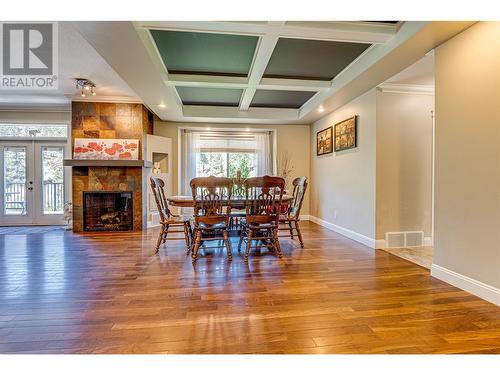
(321, 109)
(247, 129)
(162, 106)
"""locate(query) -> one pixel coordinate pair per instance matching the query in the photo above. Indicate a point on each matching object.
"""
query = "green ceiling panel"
(209, 96)
(311, 59)
(281, 98)
(205, 53)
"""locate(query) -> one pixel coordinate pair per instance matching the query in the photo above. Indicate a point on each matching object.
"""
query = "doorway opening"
(405, 163)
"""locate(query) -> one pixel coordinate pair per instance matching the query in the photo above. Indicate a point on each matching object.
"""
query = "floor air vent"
(404, 239)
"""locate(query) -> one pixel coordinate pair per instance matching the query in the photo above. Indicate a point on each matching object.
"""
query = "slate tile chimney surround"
(109, 196)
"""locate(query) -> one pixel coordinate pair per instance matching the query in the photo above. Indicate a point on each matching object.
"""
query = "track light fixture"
(86, 87)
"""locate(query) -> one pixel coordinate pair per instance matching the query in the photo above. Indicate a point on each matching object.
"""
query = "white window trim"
(181, 129)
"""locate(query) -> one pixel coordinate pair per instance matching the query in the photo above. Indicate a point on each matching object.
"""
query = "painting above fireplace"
(106, 149)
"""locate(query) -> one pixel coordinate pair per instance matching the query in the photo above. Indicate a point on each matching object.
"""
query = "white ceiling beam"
(293, 84)
(196, 80)
(199, 80)
(246, 98)
(219, 27)
(253, 113)
(356, 32)
(360, 32)
(263, 54)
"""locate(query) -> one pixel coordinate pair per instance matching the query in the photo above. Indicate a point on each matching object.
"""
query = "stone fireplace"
(110, 195)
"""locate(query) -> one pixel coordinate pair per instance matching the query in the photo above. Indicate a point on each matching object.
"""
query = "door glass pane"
(52, 180)
(15, 180)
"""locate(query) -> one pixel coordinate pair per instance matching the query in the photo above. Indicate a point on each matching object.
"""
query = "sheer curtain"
(191, 151)
(264, 155)
(230, 142)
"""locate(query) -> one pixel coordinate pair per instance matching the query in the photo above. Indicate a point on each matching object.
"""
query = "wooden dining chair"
(167, 219)
(237, 213)
(263, 198)
(290, 220)
(212, 209)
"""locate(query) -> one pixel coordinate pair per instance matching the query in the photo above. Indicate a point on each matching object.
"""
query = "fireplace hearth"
(107, 211)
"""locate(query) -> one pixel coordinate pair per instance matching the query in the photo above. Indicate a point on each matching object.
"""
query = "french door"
(32, 188)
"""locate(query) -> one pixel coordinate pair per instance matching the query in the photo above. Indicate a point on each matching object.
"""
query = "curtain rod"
(219, 131)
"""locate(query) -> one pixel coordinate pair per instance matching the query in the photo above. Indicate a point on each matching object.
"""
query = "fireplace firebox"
(107, 211)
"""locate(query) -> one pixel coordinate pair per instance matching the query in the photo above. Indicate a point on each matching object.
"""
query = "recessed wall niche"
(160, 162)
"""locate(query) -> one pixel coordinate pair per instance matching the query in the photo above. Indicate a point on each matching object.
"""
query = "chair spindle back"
(157, 186)
(211, 196)
(299, 191)
(263, 197)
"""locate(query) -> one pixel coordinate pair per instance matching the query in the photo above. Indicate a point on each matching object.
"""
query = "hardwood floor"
(67, 293)
(423, 256)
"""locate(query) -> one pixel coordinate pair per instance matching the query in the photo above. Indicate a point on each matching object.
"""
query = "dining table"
(236, 202)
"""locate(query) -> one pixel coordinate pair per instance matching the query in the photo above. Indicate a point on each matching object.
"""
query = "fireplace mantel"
(106, 163)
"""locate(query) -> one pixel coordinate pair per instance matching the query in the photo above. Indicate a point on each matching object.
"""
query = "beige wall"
(467, 185)
(404, 163)
(343, 183)
(291, 138)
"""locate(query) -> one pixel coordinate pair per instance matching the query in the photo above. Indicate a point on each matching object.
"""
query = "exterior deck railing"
(53, 197)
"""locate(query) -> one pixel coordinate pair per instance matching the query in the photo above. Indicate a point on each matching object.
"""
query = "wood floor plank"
(62, 292)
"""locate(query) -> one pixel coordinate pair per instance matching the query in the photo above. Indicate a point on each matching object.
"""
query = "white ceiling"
(420, 73)
(120, 58)
(77, 58)
(129, 49)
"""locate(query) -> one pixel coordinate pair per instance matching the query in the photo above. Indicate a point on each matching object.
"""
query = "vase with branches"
(285, 167)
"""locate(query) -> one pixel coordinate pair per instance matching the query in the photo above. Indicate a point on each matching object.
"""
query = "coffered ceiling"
(247, 65)
(268, 72)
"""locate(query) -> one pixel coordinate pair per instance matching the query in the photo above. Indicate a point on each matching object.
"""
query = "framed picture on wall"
(324, 144)
(106, 149)
(346, 134)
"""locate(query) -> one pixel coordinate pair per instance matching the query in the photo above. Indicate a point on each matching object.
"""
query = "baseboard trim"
(358, 237)
(478, 288)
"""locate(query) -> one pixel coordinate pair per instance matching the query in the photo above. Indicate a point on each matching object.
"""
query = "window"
(225, 154)
(33, 130)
